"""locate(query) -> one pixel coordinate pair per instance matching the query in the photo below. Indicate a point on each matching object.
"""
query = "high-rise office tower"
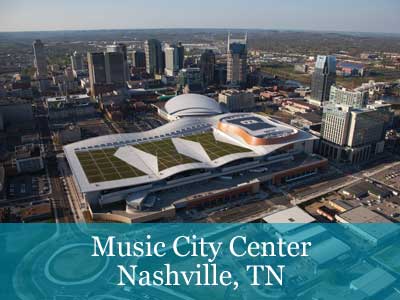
(220, 73)
(340, 95)
(181, 55)
(77, 62)
(335, 124)
(115, 68)
(207, 66)
(97, 70)
(154, 57)
(171, 60)
(237, 60)
(138, 59)
(323, 78)
(106, 68)
(121, 48)
(189, 81)
(40, 61)
(352, 134)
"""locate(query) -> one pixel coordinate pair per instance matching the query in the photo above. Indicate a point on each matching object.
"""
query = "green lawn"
(166, 153)
(214, 148)
(102, 165)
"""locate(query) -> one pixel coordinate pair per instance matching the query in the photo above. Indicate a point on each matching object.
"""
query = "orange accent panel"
(252, 140)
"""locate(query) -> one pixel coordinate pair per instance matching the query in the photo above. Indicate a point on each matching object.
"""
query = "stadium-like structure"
(203, 142)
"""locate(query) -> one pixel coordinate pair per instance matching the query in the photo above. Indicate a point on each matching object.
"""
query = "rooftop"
(362, 214)
(289, 219)
(215, 149)
(328, 250)
(373, 282)
(195, 142)
(192, 105)
(259, 126)
(166, 154)
(102, 165)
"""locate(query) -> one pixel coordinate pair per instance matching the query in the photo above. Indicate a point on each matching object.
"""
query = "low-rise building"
(36, 212)
(28, 158)
(68, 134)
(373, 282)
(16, 112)
(70, 107)
(236, 101)
(361, 220)
(307, 120)
(296, 106)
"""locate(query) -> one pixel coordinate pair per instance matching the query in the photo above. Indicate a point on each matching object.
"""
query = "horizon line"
(202, 28)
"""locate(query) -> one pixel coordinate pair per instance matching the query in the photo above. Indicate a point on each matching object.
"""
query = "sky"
(324, 15)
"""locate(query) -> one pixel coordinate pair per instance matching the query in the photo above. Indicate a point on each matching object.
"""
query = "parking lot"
(94, 128)
(389, 177)
(25, 186)
(141, 122)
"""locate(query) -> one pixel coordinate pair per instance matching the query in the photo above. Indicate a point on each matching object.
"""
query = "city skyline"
(309, 16)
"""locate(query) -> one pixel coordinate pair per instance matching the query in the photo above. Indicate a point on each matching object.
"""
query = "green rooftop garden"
(215, 149)
(166, 154)
(102, 165)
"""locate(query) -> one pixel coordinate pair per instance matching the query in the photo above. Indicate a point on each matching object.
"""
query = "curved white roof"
(192, 105)
(147, 163)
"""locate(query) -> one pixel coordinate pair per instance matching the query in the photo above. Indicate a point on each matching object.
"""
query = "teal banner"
(200, 261)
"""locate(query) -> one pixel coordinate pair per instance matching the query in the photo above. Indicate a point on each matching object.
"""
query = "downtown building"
(40, 63)
(323, 78)
(343, 96)
(236, 101)
(181, 55)
(351, 134)
(154, 57)
(122, 50)
(237, 61)
(189, 80)
(207, 67)
(107, 70)
(172, 60)
(202, 158)
(139, 60)
(77, 62)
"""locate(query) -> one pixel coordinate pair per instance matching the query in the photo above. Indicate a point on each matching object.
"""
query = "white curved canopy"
(192, 105)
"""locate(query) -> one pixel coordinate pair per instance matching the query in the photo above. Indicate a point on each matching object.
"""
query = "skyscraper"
(138, 59)
(190, 81)
(181, 55)
(207, 66)
(154, 57)
(77, 62)
(106, 68)
(40, 61)
(97, 70)
(340, 95)
(237, 60)
(120, 48)
(352, 134)
(171, 60)
(323, 78)
(115, 68)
